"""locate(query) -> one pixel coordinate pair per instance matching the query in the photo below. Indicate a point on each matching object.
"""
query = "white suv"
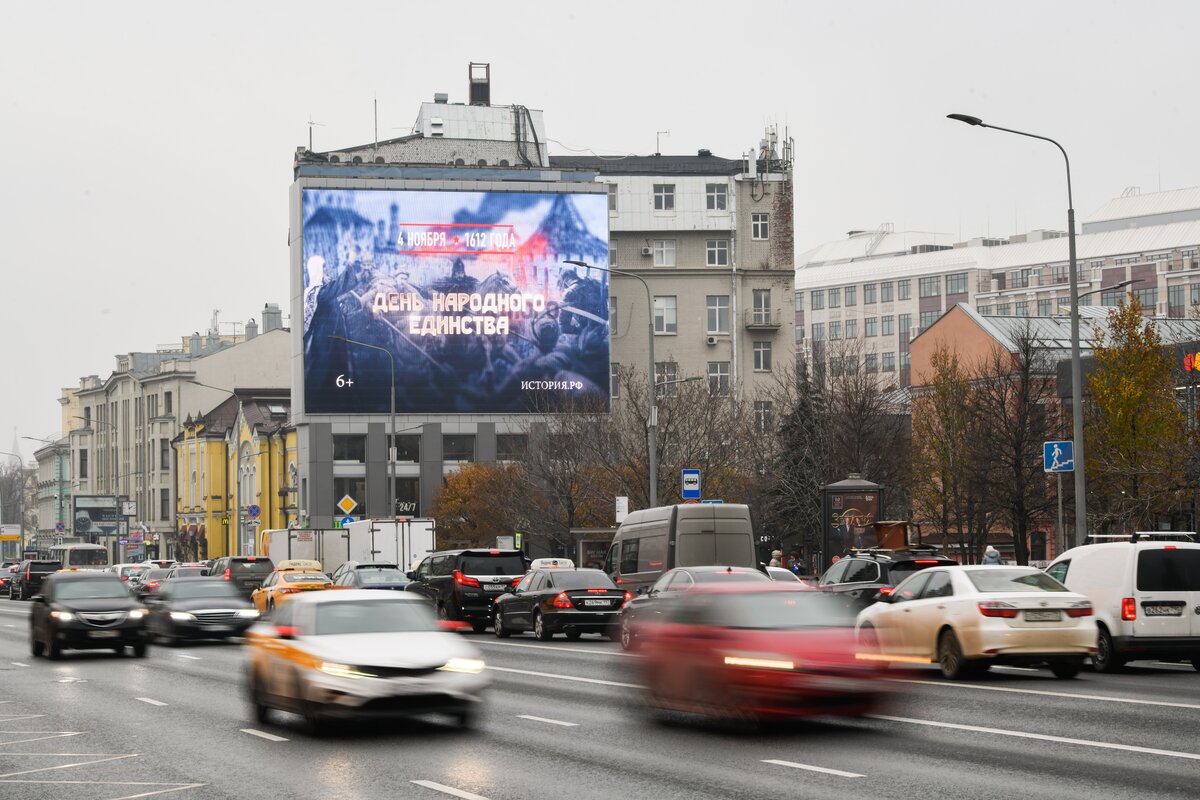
(1146, 594)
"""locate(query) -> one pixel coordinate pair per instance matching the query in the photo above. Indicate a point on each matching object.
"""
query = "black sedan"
(85, 610)
(373, 576)
(648, 606)
(148, 582)
(198, 608)
(550, 601)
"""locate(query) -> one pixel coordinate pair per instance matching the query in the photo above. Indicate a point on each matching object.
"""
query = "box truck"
(401, 542)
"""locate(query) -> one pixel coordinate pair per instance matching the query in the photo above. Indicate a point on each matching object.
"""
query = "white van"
(1146, 594)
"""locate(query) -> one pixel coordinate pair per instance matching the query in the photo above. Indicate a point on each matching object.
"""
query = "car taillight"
(997, 608)
(28, 573)
(628, 596)
(597, 591)
(226, 573)
(464, 580)
(1128, 609)
(562, 601)
(124, 577)
(288, 590)
(516, 580)
(926, 561)
(1083, 609)
(618, 580)
(887, 589)
(151, 584)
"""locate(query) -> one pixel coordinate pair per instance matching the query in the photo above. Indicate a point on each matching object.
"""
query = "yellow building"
(236, 475)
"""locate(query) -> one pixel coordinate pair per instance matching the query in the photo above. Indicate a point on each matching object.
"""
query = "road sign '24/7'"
(1058, 456)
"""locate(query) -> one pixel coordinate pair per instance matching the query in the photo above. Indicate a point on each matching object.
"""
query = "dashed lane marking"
(573, 678)
(450, 790)
(613, 653)
(811, 768)
(1045, 693)
(270, 737)
(188, 657)
(1042, 737)
(19, 664)
(549, 721)
(150, 701)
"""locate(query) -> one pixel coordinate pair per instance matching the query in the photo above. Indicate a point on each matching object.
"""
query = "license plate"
(1043, 616)
(494, 587)
(605, 603)
(1163, 611)
(218, 628)
(104, 634)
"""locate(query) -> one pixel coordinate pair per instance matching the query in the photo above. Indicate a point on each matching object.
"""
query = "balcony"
(764, 319)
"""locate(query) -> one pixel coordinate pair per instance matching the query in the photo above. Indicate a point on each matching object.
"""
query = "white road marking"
(173, 787)
(1016, 669)
(597, 681)
(549, 721)
(1043, 737)
(53, 735)
(450, 790)
(270, 737)
(68, 766)
(151, 701)
(1044, 693)
(19, 664)
(189, 658)
(614, 653)
(811, 768)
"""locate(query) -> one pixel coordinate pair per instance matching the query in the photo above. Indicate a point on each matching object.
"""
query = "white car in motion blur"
(361, 653)
(966, 618)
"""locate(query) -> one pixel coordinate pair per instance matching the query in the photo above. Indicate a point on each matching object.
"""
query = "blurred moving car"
(6, 574)
(198, 608)
(27, 578)
(246, 573)
(556, 600)
(184, 571)
(148, 582)
(462, 584)
(337, 655)
(85, 610)
(757, 650)
(160, 563)
(781, 574)
(371, 575)
(647, 607)
(289, 579)
(857, 578)
(126, 571)
(1146, 592)
(966, 618)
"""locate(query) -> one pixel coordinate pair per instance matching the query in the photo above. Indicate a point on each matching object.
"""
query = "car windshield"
(1173, 570)
(367, 616)
(156, 574)
(582, 579)
(304, 577)
(997, 579)
(493, 565)
(777, 611)
(370, 576)
(259, 565)
(201, 589)
(727, 576)
(190, 572)
(902, 569)
(81, 590)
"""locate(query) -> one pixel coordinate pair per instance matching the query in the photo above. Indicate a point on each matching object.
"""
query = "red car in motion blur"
(757, 651)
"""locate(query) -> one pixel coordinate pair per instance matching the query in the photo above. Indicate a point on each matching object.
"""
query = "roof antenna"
(658, 141)
(311, 123)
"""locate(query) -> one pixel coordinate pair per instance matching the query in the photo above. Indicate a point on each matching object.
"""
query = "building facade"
(53, 492)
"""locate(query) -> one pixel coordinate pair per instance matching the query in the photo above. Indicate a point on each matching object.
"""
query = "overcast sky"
(150, 149)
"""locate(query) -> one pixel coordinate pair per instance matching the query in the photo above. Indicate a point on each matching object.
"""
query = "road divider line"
(150, 701)
(1042, 737)
(811, 768)
(574, 678)
(549, 721)
(613, 653)
(450, 790)
(19, 664)
(1045, 693)
(270, 737)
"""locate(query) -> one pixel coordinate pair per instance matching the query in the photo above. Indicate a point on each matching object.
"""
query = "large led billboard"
(465, 293)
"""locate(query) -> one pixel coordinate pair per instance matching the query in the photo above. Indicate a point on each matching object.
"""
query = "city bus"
(80, 556)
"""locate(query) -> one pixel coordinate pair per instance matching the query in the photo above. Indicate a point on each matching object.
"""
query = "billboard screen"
(850, 519)
(466, 293)
(95, 515)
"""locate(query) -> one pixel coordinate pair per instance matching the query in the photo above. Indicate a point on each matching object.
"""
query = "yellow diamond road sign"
(347, 504)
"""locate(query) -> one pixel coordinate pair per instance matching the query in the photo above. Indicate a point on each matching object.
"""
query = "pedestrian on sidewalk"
(990, 556)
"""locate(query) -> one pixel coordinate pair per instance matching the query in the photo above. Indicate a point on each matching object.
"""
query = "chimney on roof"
(194, 344)
(272, 318)
(441, 98)
(251, 330)
(479, 87)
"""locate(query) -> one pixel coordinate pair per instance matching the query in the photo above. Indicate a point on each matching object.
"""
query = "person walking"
(990, 556)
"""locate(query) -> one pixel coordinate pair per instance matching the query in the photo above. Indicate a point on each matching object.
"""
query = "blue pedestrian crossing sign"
(1058, 456)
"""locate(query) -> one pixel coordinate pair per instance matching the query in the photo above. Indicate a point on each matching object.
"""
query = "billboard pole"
(392, 443)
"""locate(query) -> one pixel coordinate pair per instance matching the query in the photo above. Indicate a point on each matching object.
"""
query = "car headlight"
(471, 666)
(62, 616)
(178, 616)
(343, 670)
(247, 613)
(759, 663)
(138, 613)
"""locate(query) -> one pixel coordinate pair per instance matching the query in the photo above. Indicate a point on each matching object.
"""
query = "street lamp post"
(1076, 376)
(392, 443)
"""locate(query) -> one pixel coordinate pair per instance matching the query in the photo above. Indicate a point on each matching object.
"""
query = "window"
(718, 313)
(1003, 309)
(869, 293)
(835, 329)
(871, 327)
(799, 333)
(763, 409)
(715, 195)
(718, 377)
(956, 283)
(83, 463)
(612, 197)
(862, 571)
(350, 448)
(666, 372)
(1043, 308)
(1112, 298)
(885, 292)
(851, 329)
(929, 287)
(889, 362)
(759, 227)
(166, 404)
(904, 289)
(903, 359)
(905, 321)
(762, 356)
(799, 298)
(851, 295)
(818, 299)
(458, 447)
(1175, 300)
(1195, 293)
(408, 447)
(872, 362)
(664, 252)
(761, 299)
(985, 310)
(1060, 273)
(835, 367)
(835, 298)
(164, 504)
(717, 252)
(664, 197)
(1022, 309)
(612, 252)
(612, 315)
(511, 446)
(614, 380)
(1148, 298)
(888, 325)
(818, 333)
(164, 454)
(928, 318)
(665, 314)
(629, 556)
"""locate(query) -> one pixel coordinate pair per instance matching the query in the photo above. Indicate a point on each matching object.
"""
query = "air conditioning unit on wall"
(710, 340)
(646, 251)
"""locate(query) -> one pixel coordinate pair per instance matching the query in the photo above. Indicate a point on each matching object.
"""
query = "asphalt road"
(559, 723)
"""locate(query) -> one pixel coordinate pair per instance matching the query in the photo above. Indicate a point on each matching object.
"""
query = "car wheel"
(36, 647)
(1106, 658)
(139, 650)
(261, 711)
(1065, 670)
(573, 635)
(465, 717)
(1196, 664)
(540, 631)
(950, 657)
(53, 651)
(498, 626)
(442, 611)
(166, 634)
(628, 638)
(479, 627)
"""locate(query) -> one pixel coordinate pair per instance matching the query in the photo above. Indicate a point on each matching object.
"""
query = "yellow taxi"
(289, 579)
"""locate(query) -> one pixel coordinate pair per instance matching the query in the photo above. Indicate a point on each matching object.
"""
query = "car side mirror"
(880, 597)
(203, 573)
(644, 590)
